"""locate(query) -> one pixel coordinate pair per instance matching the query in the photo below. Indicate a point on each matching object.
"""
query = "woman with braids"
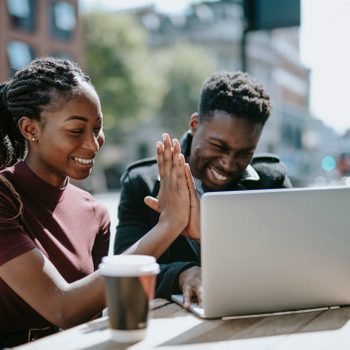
(53, 234)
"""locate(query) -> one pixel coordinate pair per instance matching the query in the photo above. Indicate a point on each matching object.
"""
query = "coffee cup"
(130, 285)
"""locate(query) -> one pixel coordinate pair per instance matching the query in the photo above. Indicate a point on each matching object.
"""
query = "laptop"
(274, 251)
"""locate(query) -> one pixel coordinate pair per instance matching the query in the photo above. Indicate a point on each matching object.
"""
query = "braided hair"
(45, 84)
(235, 93)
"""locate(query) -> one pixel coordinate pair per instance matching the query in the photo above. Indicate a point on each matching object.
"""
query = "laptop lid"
(275, 250)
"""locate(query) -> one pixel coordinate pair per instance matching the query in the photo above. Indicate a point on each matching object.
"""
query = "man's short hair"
(236, 93)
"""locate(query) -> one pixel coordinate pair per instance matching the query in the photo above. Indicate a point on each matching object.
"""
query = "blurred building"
(271, 56)
(33, 28)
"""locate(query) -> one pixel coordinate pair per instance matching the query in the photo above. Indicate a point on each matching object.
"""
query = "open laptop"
(271, 251)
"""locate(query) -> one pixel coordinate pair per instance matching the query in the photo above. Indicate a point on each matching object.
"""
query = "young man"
(219, 147)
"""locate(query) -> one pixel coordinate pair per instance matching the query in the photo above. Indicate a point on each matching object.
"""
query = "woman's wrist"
(171, 225)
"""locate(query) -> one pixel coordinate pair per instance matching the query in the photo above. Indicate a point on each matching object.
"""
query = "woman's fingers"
(180, 173)
(171, 162)
(173, 197)
(168, 159)
(152, 203)
(160, 158)
(176, 152)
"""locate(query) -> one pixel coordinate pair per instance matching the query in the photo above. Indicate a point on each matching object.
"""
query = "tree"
(135, 82)
(185, 68)
(117, 60)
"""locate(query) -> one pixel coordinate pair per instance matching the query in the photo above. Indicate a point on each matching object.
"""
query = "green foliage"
(135, 82)
(185, 68)
(117, 61)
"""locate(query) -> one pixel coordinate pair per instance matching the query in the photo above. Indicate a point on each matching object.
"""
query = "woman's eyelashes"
(79, 131)
(76, 131)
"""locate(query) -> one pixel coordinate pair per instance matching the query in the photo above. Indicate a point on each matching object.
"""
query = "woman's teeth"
(83, 161)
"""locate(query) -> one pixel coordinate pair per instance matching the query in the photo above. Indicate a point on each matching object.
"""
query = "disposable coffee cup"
(130, 285)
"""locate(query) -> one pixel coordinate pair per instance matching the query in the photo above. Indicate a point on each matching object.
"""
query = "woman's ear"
(194, 122)
(29, 128)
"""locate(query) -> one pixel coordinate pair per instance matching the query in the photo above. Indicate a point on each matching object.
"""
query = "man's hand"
(190, 281)
(193, 228)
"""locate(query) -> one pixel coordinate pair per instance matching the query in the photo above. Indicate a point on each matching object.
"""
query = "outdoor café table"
(171, 327)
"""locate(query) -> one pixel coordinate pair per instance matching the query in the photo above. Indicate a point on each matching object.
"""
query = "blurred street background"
(148, 66)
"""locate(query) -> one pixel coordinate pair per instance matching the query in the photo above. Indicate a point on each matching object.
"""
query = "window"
(19, 54)
(21, 14)
(63, 20)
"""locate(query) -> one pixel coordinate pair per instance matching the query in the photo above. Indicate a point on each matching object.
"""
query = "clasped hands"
(177, 201)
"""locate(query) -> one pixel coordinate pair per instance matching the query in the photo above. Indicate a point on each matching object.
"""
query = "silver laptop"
(274, 251)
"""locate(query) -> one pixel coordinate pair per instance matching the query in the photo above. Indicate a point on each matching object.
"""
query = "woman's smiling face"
(69, 139)
(222, 147)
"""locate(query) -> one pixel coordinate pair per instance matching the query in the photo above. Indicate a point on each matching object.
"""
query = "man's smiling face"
(222, 147)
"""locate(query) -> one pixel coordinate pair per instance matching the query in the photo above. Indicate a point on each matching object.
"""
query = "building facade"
(34, 28)
(272, 56)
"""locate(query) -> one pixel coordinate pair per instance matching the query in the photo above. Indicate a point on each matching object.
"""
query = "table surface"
(172, 327)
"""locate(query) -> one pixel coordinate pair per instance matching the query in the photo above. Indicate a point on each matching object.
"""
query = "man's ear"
(29, 128)
(194, 122)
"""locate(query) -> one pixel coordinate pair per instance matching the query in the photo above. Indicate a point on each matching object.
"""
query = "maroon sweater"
(68, 226)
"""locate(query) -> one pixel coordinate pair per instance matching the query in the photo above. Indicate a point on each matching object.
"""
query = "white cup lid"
(128, 265)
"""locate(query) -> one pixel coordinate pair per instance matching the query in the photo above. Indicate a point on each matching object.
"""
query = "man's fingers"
(192, 291)
(194, 198)
(199, 293)
(152, 203)
(190, 181)
(187, 295)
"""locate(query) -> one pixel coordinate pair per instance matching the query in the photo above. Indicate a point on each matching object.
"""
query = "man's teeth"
(83, 161)
(218, 176)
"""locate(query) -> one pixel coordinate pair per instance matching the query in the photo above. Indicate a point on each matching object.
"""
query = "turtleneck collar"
(35, 187)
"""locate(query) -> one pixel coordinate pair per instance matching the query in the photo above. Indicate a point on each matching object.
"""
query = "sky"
(324, 49)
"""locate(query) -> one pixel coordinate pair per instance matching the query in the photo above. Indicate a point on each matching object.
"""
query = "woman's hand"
(173, 201)
(165, 152)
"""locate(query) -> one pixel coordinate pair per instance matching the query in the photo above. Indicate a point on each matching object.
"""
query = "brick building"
(33, 28)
